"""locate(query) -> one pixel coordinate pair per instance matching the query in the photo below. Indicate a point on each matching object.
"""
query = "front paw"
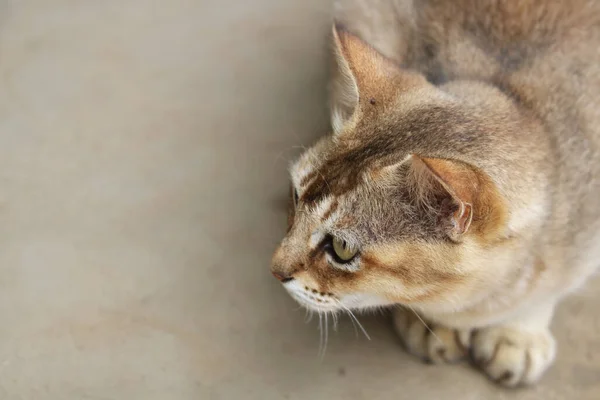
(429, 341)
(513, 357)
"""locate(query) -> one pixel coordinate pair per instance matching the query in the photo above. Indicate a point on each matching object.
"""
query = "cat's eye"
(343, 252)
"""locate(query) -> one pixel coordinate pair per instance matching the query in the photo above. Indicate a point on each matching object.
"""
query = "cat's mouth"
(312, 298)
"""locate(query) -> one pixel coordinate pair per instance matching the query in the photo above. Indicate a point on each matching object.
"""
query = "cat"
(461, 179)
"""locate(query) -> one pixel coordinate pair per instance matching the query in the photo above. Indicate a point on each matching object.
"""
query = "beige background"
(143, 148)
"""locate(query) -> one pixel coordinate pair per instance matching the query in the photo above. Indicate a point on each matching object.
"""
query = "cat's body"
(546, 56)
(463, 172)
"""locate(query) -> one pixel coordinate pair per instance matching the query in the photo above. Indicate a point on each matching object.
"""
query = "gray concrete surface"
(143, 149)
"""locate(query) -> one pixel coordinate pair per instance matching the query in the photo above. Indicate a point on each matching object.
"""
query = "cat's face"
(375, 218)
(369, 245)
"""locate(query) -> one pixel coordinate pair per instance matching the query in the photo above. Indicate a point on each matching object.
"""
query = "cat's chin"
(365, 301)
(330, 302)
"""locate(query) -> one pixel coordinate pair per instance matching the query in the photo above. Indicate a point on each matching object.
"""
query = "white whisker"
(426, 326)
(326, 336)
(309, 315)
(335, 321)
(320, 335)
(352, 316)
(353, 324)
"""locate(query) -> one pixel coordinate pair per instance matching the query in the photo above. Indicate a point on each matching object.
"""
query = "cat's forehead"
(309, 162)
(358, 198)
(337, 171)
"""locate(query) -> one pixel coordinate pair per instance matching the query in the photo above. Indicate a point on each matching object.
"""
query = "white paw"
(513, 357)
(432, 343)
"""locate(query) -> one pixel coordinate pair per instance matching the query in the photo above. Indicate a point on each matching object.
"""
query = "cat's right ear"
(364, 81)
(344, 88)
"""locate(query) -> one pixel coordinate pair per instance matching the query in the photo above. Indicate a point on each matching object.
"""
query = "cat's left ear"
(450, 189)
(363, 79)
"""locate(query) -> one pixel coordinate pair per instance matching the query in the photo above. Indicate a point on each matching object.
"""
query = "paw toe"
(445, 346)
(511, 357)
(427, 341)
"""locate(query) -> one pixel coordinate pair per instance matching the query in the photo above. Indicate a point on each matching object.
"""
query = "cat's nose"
(281, 277)
(281, 267)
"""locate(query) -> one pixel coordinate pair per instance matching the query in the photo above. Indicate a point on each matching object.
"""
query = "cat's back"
(539, 50)
(544, 54)
(486, 39)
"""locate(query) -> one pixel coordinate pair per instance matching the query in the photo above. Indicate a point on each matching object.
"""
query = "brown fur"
(464, 166)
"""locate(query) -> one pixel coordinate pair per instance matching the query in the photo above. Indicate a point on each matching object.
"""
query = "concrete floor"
(143, 153)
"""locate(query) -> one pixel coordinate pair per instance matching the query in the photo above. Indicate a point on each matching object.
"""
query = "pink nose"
(282, 278)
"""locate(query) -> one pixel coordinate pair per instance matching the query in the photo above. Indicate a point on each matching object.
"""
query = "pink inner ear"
(460, 183)
(462, 218)
(457, 179)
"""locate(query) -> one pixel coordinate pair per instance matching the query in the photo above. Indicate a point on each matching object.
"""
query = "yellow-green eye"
(342, 250)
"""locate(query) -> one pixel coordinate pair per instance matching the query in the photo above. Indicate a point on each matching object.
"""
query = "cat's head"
(381, 211)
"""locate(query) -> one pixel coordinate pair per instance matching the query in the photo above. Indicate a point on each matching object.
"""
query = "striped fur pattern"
(464, 171)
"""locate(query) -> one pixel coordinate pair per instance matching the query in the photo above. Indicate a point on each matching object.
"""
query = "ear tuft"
(344, 90)
(363, 79)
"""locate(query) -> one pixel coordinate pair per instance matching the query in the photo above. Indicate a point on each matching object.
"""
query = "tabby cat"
(461, 179)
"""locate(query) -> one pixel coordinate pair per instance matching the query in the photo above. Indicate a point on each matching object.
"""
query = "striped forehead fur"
(322, 207)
